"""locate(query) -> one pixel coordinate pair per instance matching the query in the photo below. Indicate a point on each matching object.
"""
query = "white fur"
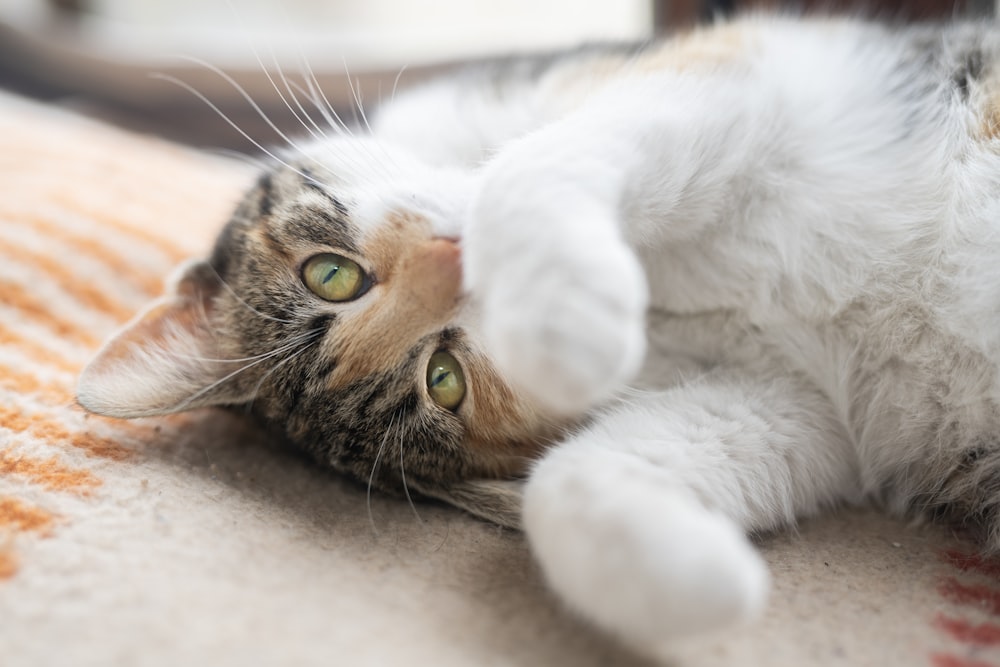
(801, 266)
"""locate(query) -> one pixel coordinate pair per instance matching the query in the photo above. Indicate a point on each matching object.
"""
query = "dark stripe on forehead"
(265, 200)
(310, 181)
(450, 336)
(227, 245)
(320, 227)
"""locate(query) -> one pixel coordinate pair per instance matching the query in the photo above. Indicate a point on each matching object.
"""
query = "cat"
(641, 300)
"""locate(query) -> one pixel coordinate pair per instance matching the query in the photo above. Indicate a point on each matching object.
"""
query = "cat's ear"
(164, 359)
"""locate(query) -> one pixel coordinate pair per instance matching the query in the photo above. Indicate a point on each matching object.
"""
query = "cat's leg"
(639, 521)
(550, 247)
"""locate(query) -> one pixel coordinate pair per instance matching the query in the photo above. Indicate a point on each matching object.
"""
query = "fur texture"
(708, 286)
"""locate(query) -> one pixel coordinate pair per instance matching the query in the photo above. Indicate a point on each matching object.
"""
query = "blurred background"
(144, 63)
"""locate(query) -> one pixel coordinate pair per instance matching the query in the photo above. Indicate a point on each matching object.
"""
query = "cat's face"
(332, 307)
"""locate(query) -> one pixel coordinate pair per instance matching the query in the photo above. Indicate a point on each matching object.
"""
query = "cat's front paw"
(563, 305)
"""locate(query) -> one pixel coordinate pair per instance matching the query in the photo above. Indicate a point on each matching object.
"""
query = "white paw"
(642, 560)
(563, 303)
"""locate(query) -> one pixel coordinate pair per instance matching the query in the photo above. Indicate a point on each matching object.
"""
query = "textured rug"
(194, 540)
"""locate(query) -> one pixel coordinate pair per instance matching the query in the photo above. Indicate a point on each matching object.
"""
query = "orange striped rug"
(91, 220)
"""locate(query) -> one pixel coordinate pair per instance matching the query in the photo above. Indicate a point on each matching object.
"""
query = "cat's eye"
(445, 380)
(333, 277)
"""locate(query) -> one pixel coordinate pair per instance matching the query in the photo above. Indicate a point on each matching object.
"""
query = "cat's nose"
(447, 251)
(437, 281)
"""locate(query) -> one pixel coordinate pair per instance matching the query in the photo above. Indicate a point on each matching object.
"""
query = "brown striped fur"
(352, 392)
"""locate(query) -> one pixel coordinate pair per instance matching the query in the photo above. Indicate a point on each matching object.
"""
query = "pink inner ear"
(159, 362)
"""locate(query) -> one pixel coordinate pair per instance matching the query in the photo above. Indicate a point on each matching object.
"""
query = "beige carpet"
(194, 541)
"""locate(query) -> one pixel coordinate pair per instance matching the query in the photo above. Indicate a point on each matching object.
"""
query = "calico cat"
(668, 295)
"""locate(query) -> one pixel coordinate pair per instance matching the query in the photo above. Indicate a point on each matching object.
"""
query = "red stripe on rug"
(982, 634)
(976, 595)
(967, 562)
(947, 660)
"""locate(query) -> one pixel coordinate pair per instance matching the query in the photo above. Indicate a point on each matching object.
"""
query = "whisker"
(303, 347)
(376, 166)
(294, 340)
(242, 302)
(371, 476)
(204, 390)
(245, 95)
(239, 155)
(395, 82)
(330, 116)
(211, 105)
(402, 472)
(316, 131)
(319, 98)
(263, 67)
(357, 108)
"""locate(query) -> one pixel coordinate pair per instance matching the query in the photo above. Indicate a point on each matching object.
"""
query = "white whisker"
(358, 108)
(395, 83)
(315, 130)
(291, 342)
(320, 99)
(258, 164)
(246, 305)
(211, 105)
(304, 345)
(402, 472)
(204, 390)
(371, 476)
(246, 96)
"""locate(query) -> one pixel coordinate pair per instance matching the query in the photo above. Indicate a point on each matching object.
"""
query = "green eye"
(333, 277)
(445, 380)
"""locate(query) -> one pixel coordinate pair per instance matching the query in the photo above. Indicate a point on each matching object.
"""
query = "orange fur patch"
(24, 517)
(700, 50)
(703, 49)
(419, 285)
(498, 420)
(989, 112)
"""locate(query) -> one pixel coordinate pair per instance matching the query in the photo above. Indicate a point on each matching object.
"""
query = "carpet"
(194, 539)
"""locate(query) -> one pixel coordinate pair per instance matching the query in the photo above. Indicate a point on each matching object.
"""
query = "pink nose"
(435, 272)
(446, 253)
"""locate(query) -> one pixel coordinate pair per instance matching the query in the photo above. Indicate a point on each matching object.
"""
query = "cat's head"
(332, 307)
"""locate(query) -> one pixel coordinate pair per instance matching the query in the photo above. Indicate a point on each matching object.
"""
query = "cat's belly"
(920, 404)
